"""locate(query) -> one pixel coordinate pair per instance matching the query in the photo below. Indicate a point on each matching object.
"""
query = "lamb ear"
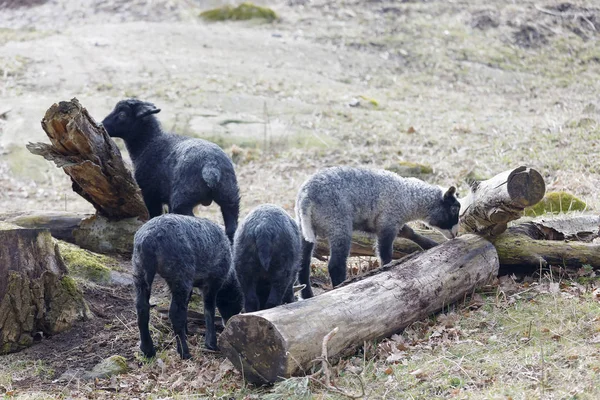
(147, 109)
(449, 193)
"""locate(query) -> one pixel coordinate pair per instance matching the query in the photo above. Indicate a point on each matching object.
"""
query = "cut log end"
(525, 186)
(494, 202)
(259, 353)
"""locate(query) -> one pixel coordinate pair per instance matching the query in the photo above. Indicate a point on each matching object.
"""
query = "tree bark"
(286, 340)
(89, 156)
(493, 203)
(35, 295)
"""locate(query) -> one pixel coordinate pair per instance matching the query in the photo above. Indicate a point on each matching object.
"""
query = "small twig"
(124, 324)
(325, 370)
(550, 12)
(319, 138)
(460, 367)
(324, 362)
(339, 391)
(583, 17)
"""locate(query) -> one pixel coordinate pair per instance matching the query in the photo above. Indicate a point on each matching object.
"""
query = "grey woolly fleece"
(343, 199)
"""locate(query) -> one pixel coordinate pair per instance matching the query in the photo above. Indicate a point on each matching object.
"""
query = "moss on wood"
(556, 203)
(85, 264)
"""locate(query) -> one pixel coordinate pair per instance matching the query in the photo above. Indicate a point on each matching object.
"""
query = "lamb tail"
(211, 175)
(303, 216)
(263, 246)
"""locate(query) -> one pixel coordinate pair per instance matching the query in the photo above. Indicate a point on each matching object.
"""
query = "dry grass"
(515, 339)
(470, 88)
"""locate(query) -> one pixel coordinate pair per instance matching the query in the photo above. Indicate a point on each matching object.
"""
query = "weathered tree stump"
(493, 203)
(35, 294)
(90, 157)
(283, 341)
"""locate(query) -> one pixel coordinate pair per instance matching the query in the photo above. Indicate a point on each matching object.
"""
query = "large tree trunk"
(493, 203)
(284, 341)
(35, 295)
(89, 156)
(564, 241)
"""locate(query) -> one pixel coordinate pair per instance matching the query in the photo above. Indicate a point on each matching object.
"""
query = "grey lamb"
(336, 201)
(187, 252)
(266, 254)
(175, 170)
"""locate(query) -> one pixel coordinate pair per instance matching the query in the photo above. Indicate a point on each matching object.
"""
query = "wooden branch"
(519, 250)
(283, 341)
(89, 156)
(493, 203)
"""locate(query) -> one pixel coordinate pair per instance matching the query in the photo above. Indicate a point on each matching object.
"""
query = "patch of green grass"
(409, 168)
(371, 101)
(244, 11)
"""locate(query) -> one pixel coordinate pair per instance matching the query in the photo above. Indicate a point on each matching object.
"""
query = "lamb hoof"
(212, 347)
(186, 356)
(149, 353)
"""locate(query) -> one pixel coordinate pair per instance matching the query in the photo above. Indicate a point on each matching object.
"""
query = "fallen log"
(91, 232)
(284, 341)
(492, 204)
(551, 241)
(564, 241)
(90, 157)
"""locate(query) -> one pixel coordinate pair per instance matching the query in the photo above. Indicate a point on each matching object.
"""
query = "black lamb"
(175, 170)
(187, 252)
(267, 253)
